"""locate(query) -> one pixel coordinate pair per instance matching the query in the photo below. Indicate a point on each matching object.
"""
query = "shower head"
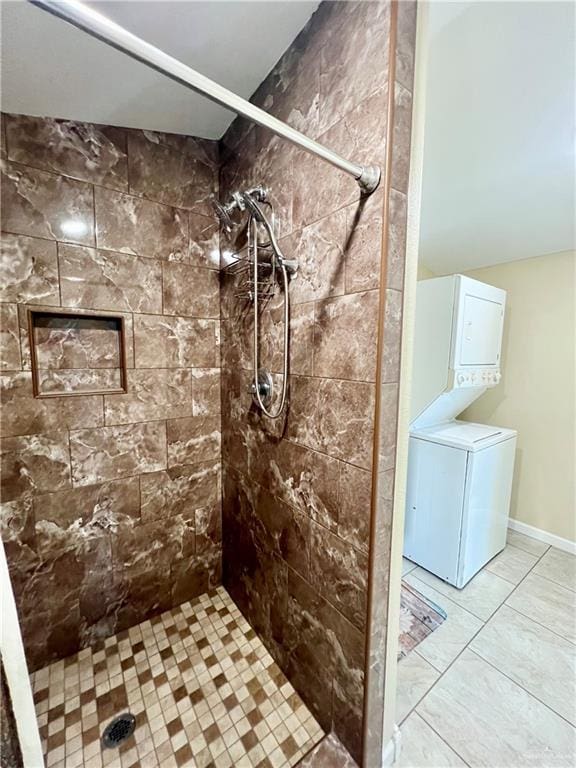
(223, 213)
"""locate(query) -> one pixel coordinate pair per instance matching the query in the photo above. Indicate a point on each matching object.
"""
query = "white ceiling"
(50, 68)
(498, 178)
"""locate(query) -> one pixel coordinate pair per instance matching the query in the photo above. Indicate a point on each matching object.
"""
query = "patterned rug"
(419, 617)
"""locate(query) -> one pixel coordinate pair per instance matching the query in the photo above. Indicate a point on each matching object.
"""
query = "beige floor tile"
(491, 721)
(558, 566)
(423, 748)
(407, 566)
(537, 659)
(481, 596)
(527, 543)
(512, 564)
(442, 646)
(547, 603)
(415, 678)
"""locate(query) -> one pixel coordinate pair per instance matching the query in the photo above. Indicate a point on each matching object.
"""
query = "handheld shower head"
(253, 207)
(239, 202)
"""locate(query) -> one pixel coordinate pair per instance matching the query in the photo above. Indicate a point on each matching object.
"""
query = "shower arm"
(99, 26)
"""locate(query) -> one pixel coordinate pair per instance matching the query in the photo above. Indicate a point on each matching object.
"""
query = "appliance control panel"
(463, 378)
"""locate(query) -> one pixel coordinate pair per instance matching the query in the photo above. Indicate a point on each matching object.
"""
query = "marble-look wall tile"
(23, 414)
(333, 417)
(3, 151)
(196, 575)
(388, 413)
(28, 270)
(204, 241)
(150, 548)
(206, 392)
(130, 224)
(323, 645)
(76, 343)
(304, 479)
(344, 338)
(393, 332)
(405, 43)
(318, 461)
(97, 279)
(176, 342)
(192, 440)
(361, 135)
(100, 507)
(34, 464)
(152, 394)
(78, 380)
(291, 92)
(355, 507)
(178, 489)
(99, 548)
(340, 573)
(209, 528)
(9, 338)
(82, 345)
(397, 240)
(44, 205)
(94, 153)
(177, 170)
(110, 453)
(319, 251)
(17, 524)
(190, 291)
(402, 128)
(354, 60)
(364, 241)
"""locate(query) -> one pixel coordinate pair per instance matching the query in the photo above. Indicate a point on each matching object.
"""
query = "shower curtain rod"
(97, 25)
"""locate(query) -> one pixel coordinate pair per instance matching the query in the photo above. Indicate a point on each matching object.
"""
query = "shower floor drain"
(120, 729)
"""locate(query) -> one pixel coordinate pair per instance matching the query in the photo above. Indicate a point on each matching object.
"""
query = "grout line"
(472, 638)
(466, 647)
(553, 581)
(519, 685)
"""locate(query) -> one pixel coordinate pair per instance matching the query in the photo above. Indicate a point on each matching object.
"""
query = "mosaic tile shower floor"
(203, 688)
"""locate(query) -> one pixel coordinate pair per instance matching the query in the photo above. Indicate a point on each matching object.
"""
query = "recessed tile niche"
(76, 354)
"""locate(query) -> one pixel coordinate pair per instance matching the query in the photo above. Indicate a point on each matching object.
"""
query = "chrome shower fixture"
(256, 275)
(239, 202)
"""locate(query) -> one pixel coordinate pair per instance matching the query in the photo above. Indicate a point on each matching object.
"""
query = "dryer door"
(479, 321)
(482, 332)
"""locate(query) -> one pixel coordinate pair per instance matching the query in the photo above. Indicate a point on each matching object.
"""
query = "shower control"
(265, 387)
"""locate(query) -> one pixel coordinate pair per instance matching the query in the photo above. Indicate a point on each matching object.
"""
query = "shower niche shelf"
(76, 353)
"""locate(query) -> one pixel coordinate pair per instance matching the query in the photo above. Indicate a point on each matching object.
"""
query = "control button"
(461, 378)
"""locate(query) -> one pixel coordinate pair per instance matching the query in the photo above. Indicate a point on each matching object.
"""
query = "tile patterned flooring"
(495, 684)
(203, 688)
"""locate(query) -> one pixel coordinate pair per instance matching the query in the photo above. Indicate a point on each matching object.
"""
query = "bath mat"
(419, 617)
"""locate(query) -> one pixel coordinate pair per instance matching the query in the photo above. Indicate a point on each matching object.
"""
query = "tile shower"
(124, 515)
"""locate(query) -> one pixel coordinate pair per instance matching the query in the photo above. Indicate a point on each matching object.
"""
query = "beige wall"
(424, 273)
(537, 395)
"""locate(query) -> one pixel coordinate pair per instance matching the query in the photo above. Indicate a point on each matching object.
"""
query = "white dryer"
(459, 474)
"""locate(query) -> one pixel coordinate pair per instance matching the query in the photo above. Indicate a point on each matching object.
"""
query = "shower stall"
(200, 362)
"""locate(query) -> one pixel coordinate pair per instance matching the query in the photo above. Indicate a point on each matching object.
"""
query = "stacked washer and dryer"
(459, 473)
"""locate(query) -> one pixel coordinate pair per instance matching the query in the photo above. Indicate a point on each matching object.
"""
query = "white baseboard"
(548, 538)
(391, 751)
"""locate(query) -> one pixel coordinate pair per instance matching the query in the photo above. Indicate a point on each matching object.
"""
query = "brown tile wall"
(111, 503)
(297, 491)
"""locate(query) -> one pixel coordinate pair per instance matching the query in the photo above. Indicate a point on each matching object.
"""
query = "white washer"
(458, 497)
